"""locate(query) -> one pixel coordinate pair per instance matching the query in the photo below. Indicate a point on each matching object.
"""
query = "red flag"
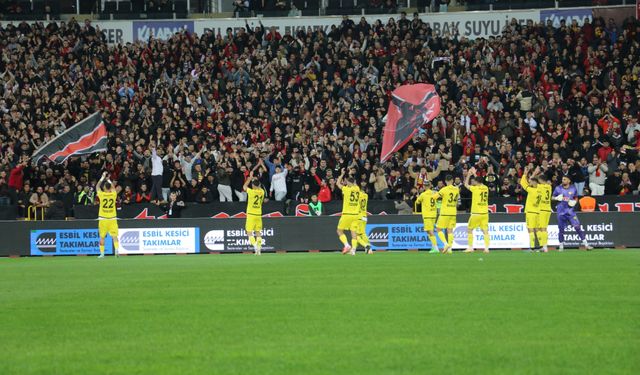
(411, 106)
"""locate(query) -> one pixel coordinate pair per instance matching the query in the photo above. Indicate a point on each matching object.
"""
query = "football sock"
(542, 238)
(101, 249)
(560, 233)
(450, 236)
(532, 240)
(354, 243)
(442, 238)
(486, 241)
(343, 239)
(363, 240)
(434, 242)
(470, 240)
(580, 232)
(252, 240)
(258, 242)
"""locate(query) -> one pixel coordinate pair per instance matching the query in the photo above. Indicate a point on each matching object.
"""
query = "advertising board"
(67, 242)
(172, 240)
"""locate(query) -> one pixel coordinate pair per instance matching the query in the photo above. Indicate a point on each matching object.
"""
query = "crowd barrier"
(472, 25)
(386, 232)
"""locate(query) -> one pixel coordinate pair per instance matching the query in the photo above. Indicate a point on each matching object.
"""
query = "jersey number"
(453, 198)
(484, 197)
(258, 201)
(108, 203)
(433, 202)
(353, 198)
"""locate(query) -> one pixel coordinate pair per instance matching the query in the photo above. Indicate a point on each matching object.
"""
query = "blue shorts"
(567, 219)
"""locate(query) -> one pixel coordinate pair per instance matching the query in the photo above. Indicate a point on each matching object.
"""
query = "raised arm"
(523, 181)
(339, 183)
(101, 181)
(247, 182)
(471, 172)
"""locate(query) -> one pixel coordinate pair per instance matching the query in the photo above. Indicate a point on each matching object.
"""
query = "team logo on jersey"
(47, 242)
(214, 240)
(130, 240)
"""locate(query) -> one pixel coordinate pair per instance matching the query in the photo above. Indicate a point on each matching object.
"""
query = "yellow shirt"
(364, 200)
(449, 196)
(350, 200)
(544, 197)
(255, 197)
(107, 204)
(531, 207)
(479, 199)
(428, 201)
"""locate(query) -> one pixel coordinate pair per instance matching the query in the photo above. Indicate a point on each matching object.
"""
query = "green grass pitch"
(389, 313)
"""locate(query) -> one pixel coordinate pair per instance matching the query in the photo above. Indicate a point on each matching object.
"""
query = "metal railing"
(32, 212)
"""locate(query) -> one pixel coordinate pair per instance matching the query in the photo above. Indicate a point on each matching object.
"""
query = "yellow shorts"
(543, 219)
(349, 222)
(446, 221)
(108, 226)
(429, 223)
(479, 221)
(532, 219)
(253, 224)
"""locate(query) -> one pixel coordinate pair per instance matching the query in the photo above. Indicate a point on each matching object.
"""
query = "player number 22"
(108, 203)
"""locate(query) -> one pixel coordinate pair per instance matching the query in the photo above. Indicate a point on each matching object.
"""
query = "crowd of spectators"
(196, 114)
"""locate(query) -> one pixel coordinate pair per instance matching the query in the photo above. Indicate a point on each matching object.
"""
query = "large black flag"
(410, 107)
(86, 137)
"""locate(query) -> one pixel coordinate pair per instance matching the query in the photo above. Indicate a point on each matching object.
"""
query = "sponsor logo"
(130, 240)
(67, 242)
(46, 242)
(214, 240)
(159, 240)
(460, 235)
(142, 30)
(379, 237)
(569, 15)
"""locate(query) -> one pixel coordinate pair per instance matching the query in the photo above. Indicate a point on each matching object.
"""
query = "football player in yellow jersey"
(253, 226)
(350, 213)
(531, 206)
(107, 218)
(479, 209)
(544, 210)
(447, 219)
(427, 201)
(362, 224)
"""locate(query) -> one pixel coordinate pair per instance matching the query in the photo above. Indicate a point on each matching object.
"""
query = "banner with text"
(67, 242)
(159, 240)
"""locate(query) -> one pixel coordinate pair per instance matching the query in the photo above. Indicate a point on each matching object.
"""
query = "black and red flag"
(86, 137)
(411, 106)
